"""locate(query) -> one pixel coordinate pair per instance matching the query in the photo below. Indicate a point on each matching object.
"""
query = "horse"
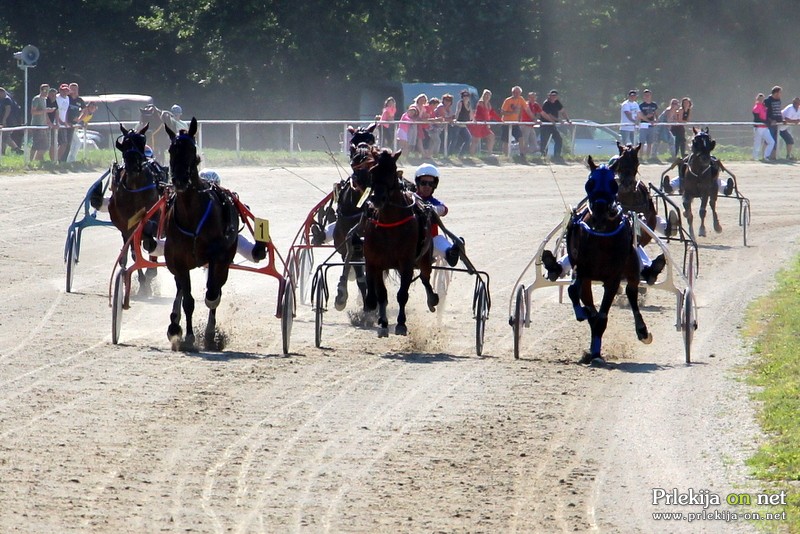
(600, 248)
(135, 187)
(699, 178)
(201, 230)
(633, 194)
(394, 239)
(349, 211)
(157, 138)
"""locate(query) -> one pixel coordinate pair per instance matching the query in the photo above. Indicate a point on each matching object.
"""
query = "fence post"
(238, 138)
(291, 138)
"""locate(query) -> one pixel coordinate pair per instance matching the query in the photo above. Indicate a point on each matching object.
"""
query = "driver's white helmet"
(210, 175)
(427, 169)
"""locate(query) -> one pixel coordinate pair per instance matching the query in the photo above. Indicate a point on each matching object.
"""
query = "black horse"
(699, 178)
(201, 230)
(600, 247)
(393, 239)
(135, 187)
(347, 234)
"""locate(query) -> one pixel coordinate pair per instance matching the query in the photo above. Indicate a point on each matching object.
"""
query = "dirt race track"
(405, 434)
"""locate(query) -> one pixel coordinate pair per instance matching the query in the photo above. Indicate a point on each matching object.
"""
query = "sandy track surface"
(408, 433)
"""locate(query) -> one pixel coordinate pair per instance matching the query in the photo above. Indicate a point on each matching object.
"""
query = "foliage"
(269, 59)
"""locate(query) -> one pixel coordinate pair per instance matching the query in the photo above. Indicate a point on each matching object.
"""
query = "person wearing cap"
(791, 115)
(176, 112)
(426, 178)
(552, 113)
(630, 115)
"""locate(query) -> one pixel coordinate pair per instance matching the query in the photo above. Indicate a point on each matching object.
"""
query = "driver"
(426, 178)
(558, 268)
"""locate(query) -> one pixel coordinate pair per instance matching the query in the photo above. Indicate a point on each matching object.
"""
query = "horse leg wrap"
(212, 304)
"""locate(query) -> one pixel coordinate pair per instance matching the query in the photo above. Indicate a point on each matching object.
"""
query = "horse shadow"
(416, 357)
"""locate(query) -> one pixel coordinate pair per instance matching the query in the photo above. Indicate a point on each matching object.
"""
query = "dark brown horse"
(699, 178)
(393, 239)
(347, 237)
(135, 187)
(633, 194)
(600, 247)
(201, 230)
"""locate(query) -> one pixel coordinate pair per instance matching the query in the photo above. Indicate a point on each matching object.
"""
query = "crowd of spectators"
(57, 112)
(534, 125)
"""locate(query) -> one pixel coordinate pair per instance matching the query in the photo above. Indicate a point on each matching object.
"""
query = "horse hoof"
(702, 231)
(175, 343)
(383, 332)
(718, 228)
(647, 339)
(400, 330)
(597, 361)
(339, 304)
(592, 359)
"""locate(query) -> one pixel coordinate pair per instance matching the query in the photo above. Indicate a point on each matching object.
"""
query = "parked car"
(587, 138)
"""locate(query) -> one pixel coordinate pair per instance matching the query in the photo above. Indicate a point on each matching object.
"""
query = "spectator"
(761, 135)
(630, 115)
(647, 129)
(407, 131)
(39, 117)
(479, 129)
(662, 133)
(511, 111)
(421, 103)
(64, 126)
(387, 115)
(682, 115)
(552, 111)
(76, 110)
(441, 115)
(774, 118)
(52, 120)
(791, 115)
(460, 138)
(531, 114)
(10, 116)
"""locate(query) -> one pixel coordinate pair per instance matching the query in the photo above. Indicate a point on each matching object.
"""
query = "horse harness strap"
(394, 224)
(200, 225)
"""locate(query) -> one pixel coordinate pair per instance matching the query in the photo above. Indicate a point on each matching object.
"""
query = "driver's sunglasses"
(426, 183)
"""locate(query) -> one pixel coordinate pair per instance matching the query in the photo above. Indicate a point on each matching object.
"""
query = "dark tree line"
(308, 59)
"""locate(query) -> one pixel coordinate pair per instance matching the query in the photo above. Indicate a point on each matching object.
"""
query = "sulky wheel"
(287, 315)
(745, 221)
(71, 259)
(481, 314)
(518, 319)
(117, 301)
(688, 323)
(318, 311)
(305, 264)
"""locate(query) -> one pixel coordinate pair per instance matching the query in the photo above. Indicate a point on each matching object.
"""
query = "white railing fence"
(331, 135)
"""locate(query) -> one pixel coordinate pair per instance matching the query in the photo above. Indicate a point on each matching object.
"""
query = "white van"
(118, 107)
